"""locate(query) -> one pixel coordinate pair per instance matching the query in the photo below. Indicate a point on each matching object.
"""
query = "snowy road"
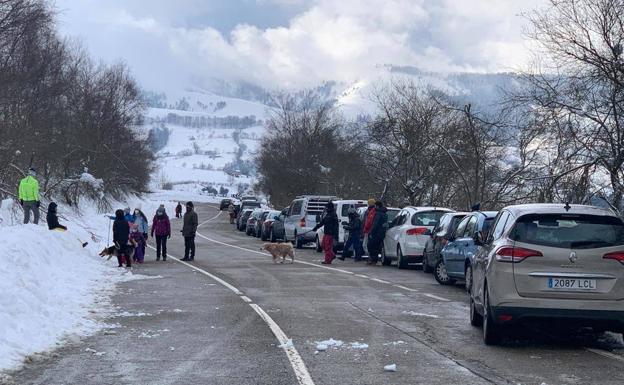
(185, 327)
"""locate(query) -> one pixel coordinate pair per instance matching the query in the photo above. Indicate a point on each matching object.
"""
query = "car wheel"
(440, 274)
(491, 334)
(298, 242)
(468, 277)
(272, 236)
(401, 262)
(426, 268)
(476, 319)
(385, 261)
(319, 249)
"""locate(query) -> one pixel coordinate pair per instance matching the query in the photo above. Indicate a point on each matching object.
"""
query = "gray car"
(549, 262)
(301, 217)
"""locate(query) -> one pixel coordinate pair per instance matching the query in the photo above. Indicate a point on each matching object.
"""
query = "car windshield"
(427, 218)
(569, 231)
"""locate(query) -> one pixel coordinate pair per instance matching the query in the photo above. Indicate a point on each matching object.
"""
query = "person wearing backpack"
(355, 235)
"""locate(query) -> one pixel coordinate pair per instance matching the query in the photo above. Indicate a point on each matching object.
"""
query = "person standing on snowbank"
(178, 210)
(52, 218)
(143, 225)
(138, 241)
(189, 228)
(121, 235)
(161, 227)
(29, 196)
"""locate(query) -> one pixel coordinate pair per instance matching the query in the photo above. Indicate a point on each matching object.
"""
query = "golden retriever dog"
(278, 250)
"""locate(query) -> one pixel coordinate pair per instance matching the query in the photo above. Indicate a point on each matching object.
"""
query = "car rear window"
(427, 218)
(345, 208)
(251, 204)
(569, 231)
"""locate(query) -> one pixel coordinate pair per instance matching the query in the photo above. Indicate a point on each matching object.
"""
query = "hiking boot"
(184, 259)
(342, 258)
(192, 259)
(164, 258)
(157, 259)
(326, 263)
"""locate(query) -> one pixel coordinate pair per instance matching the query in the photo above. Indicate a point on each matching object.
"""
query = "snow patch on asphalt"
(416, 314)
(286, 345)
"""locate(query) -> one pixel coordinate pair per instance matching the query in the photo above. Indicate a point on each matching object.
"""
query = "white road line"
(436, 297)
(380, 281)
(209, 220)
(606, 354)
(362, 276)
(405, 288)
(301, 372)
(296, 362)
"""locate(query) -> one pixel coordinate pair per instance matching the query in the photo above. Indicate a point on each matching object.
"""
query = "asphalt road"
(222, 320)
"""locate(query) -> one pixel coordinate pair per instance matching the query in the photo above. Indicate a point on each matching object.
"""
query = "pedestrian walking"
(121, 235)
(138, 241)
(29, 196)
(178, 210)
(232, 213)
(355, 235)
(52, 218)
(330, 233)
(377, 233)
(161, 229)
(189, 229)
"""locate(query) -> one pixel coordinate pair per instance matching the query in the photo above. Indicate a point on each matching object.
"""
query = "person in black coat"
(52, 218)
(330, 229)
(377, 233)
(121, 234)
(355, 235)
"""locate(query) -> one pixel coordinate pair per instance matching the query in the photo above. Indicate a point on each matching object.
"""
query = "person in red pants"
(330, 227)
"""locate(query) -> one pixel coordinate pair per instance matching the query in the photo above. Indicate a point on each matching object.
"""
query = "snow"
(390, 368)
(49, 286)
(287, 345)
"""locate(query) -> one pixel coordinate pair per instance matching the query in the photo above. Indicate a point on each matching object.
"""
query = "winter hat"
(52, 207)
(119, 213)
(32, 172)
(371, 202)
(330, 206)
(160, 210)
(189, 204)
(379, 204)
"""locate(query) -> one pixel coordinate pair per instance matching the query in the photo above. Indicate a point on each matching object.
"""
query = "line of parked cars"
(523, 264)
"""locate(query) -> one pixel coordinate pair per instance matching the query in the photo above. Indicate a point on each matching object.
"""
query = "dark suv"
(440, 236)
(225, 203)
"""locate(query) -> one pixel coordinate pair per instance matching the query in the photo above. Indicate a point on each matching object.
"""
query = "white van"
(342, 210)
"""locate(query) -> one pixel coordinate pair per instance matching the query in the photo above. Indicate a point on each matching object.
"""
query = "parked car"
(259, 222)
(248, 198)
(277, 231)
(439, 237)
(457, 255)
(267, 225)
(342, 210)
(406, 237)
(392, 212)
(250, 228)
(549, 262)
(225, 203)
(301, 217)
(243, 206)
(241, 221)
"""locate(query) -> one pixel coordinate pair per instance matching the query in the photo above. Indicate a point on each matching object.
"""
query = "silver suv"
(549, 261)
(301, 217)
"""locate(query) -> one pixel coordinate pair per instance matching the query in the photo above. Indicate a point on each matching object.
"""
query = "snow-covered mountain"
(202, 137)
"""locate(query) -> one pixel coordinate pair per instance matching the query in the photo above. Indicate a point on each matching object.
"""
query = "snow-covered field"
(52, 290)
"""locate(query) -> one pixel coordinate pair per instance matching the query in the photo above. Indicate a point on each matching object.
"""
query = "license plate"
(571, 284)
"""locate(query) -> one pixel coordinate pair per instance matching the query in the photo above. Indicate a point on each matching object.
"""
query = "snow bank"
(48, 285)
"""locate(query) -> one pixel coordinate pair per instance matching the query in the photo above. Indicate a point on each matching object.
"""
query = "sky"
(291, 44)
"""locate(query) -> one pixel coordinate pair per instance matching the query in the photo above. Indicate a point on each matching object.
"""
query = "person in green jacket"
(29, 196)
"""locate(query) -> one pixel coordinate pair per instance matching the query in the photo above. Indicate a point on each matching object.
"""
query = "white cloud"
(328, 40)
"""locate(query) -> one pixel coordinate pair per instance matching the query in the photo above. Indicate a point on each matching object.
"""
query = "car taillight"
(616, 255)
(515, 254)
(302, 222)
(417, 231)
